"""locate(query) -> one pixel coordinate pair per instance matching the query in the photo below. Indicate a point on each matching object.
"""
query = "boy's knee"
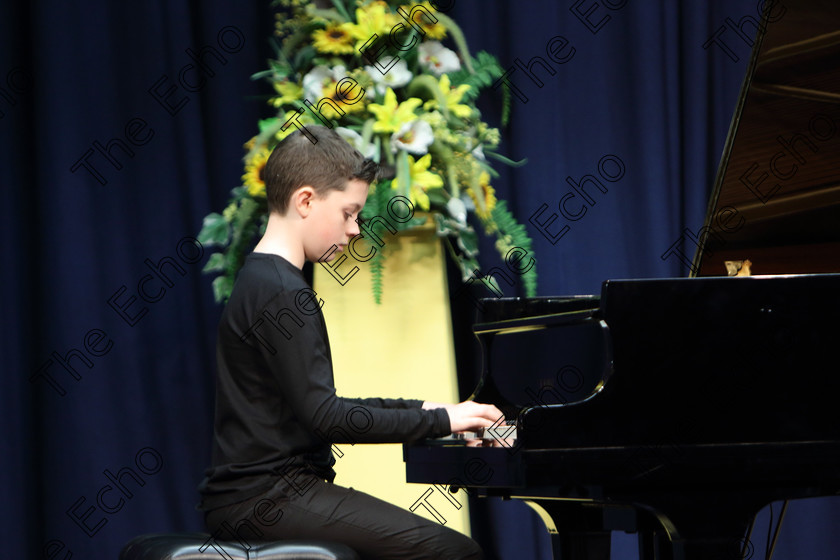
(461, 547)
(472, 551)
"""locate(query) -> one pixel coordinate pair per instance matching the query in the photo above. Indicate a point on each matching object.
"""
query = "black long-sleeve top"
(276, 405)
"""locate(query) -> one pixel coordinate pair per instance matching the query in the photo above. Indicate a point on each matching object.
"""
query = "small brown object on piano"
(738, 268)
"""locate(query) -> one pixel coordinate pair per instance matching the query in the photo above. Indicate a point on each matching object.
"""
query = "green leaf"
(214, 230)
(503, 159)
(437, 197)
(403, 174)
(215, 263)
(331, 15)
(262, 74)
(426, 87)
(468, 242)
(413, 222)
(290, 44)
(222, 287)
(268, 128)
(266, 124)
(339, 5)
(367, 132)
(304, 56)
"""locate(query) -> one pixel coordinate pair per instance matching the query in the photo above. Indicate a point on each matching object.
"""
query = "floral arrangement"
(381, 74)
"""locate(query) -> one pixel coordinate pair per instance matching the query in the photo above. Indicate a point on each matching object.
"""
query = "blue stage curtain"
(640, 89)
(121, 126)
(164, 89)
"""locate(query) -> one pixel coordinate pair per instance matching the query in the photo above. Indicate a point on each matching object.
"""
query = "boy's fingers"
(493, 413)
(484, 422)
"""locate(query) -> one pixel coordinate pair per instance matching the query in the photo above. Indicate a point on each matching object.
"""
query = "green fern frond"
(377, 206)
(486, 72)
(511, 234)
(377, 269)
(505, 104)
(245, 226)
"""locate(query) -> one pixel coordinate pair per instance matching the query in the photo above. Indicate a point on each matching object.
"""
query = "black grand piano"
(678, 408)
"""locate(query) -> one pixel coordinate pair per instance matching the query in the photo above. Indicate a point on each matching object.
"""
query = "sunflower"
(253, 177)
(335, 39)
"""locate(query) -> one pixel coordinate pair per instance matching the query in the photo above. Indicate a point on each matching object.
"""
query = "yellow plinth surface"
(402, 347)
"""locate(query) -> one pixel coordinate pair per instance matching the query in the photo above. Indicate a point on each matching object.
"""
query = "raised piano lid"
(493, 311)
(776, 198)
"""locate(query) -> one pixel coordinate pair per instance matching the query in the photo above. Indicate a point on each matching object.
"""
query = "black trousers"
(309, 507)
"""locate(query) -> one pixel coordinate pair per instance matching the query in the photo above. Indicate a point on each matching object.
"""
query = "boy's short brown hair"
(319, 158)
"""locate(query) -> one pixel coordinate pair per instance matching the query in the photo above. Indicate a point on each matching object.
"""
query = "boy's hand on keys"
(470, 416)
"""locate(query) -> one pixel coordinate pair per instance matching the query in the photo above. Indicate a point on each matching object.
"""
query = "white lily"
(478, 153)
(438, 59)
(396, 77)
(355, 139)
(414, 137)
(316, 81)
(457, 209)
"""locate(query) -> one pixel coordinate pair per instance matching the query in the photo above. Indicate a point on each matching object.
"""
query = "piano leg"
(693, 527)
(647, 545)
(592, 545)
(577, 531)
(580, 530)
(655, 545)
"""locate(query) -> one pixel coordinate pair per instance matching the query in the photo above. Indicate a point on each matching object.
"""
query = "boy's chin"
(329, 254)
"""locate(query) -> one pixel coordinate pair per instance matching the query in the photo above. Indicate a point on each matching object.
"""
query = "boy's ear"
(301, 200)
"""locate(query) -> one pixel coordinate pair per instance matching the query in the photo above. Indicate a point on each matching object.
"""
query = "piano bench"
(201, 546)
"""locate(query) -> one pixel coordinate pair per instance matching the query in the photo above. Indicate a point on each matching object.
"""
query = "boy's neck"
(282, 238)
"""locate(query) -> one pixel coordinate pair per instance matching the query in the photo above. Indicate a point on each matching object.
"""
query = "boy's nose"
(353, 229)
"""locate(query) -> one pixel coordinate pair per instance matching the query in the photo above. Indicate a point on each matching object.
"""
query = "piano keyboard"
(494, 436)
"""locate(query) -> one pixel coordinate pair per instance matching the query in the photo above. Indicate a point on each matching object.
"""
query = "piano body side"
(701, 361)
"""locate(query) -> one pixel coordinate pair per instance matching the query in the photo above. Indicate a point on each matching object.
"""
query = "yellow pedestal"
(402, 347)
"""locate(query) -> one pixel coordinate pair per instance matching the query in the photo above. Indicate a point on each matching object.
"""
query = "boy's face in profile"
(332, 220)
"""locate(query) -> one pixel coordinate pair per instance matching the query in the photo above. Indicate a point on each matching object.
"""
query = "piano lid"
(776, 198)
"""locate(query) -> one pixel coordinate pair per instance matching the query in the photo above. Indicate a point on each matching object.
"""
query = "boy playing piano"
(277, 412)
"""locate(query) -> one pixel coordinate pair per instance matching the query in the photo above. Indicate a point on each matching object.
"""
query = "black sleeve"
(293, 343)
(387, 403)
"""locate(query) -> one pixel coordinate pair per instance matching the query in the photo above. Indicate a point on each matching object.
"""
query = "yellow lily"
(433, 31)
(453, 97)
(421, 180)
(374, 19)
(390, 116)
